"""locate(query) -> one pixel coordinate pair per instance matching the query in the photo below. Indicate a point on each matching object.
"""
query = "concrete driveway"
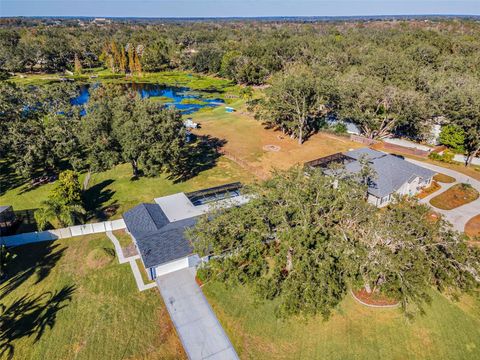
(200, 332)
(459, 216)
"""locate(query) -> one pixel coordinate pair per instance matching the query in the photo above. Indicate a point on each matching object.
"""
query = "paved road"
(459, 216)
(201, 334)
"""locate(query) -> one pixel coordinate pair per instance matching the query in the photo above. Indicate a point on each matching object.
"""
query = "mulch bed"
(472, 228)
(429, 190)
(199, 282)
(375, 299)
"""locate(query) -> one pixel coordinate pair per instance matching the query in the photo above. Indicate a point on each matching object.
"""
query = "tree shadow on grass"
(202, 155)
(30, 316)
(96, 197)
(28, 260)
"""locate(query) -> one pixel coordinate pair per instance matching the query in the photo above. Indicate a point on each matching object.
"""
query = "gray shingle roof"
(144, 218)
(167, 244)
(391, 171)
(158, 240)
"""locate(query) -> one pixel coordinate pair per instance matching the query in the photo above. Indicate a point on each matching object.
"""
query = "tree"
(305, 240)
(380, 109)
(156, 56)
(64, 203)
(453, 136)
(150, 136)
(460, 99)
(96, 134)
(295, 101)
(77, 65)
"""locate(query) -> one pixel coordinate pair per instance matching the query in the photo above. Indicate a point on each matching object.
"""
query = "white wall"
(49, 235)
(172, 266)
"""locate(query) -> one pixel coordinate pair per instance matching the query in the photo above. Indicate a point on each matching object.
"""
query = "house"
(393, 175)
(158, 230)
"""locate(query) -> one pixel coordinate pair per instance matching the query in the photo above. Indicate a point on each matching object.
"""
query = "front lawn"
(446, 331)
(70, 299)
(454, 197)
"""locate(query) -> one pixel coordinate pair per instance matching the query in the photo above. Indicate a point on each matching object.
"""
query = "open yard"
(72, 300)
(454, 197)
(447, 331)
(112, 192)
(262, 149)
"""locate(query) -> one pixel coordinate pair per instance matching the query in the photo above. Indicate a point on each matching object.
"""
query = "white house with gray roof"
(158, 229)
(393, 175)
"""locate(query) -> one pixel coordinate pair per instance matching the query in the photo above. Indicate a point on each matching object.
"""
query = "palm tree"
(65, 214)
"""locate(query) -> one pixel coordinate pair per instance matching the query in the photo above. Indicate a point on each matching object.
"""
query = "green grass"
(173, 78)
(72, 300)
(447, 331)
(116, 189)
(123, 238)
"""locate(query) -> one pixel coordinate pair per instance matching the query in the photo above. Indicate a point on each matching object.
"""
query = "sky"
(229, 8)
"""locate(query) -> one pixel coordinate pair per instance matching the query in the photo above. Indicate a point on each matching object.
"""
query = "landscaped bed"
(442, 178)
(448, 330)
(429, 190)
(70, 299)
(472, 228)
(374, 299)
(454, 197)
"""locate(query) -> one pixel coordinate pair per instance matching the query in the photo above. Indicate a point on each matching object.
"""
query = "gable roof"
(391, 171)
(144, 218)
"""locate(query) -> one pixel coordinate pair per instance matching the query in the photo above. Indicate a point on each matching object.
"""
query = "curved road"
(459, 216)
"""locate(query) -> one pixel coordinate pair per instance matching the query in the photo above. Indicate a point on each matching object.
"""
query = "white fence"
(50, 235)
(461, 158)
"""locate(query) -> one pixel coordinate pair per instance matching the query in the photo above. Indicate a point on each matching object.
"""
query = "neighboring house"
(158, 230)
(393, 175)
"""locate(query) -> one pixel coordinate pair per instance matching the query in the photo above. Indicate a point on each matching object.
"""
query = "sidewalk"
(132, 260)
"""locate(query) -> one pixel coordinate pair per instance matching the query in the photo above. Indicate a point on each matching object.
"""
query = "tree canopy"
(306, 240)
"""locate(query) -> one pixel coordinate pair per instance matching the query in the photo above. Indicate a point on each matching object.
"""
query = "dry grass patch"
(443, 178)
(454, 197)
(472, 228)
(248, 140)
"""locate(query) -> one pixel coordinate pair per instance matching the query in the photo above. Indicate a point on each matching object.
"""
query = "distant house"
(158, 230)
(393, 175)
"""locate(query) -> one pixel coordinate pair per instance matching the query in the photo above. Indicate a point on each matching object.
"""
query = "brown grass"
(444, 178)
(472, 228)
(429, 190)
(247, 139)
(454, 197)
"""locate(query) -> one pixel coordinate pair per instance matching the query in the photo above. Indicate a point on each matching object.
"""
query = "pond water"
(182, 98)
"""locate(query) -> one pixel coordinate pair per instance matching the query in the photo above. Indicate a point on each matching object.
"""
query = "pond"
(182, 98)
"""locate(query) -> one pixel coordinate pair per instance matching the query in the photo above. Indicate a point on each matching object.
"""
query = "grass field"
(72, 300)
(246, 139)
(457, 195)
(116, 190)
(447, 331)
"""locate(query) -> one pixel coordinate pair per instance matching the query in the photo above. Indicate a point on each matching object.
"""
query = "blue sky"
(214, 8)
